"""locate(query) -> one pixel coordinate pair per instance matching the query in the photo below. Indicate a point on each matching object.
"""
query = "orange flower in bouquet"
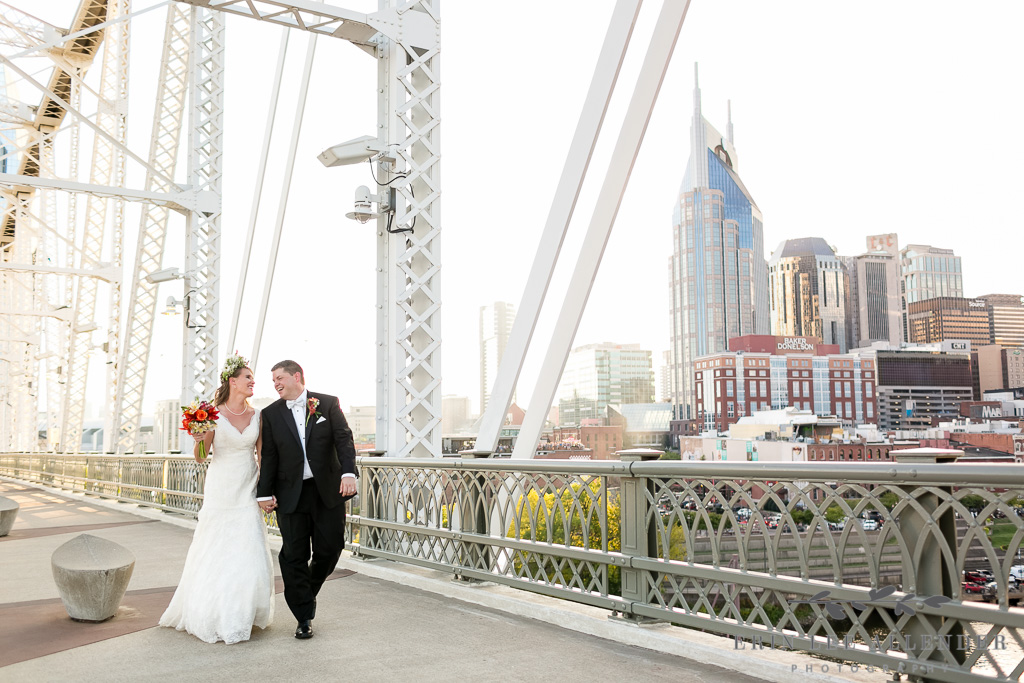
(197, 418)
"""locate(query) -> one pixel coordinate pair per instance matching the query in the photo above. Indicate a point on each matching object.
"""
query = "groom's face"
(288, 386)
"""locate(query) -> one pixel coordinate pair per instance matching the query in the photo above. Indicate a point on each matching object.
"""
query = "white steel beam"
(105, 272)
(62, 39)
(119, 145)
(581, 150)
(200, 374)
(172, 87)
(108, 168)
(638, 114)
(182, 201)
(409, 264)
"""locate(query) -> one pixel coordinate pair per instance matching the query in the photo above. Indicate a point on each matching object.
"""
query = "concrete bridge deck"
(377, 621)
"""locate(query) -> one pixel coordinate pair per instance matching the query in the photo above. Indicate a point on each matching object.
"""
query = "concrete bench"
(92, 575)
(8, 511)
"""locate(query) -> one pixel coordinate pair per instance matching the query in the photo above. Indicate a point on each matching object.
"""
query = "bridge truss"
(62, 235)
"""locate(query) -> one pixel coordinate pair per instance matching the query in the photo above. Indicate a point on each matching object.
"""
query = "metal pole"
(581, 150)
(300, 108)
(257, 193)
(652, 73)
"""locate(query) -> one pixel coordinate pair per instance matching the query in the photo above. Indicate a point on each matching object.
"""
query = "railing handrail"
(625, 536)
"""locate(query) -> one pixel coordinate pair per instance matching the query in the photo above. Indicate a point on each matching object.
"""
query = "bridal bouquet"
(197, 418)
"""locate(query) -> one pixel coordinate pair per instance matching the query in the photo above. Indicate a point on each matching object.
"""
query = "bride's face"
(244, 382)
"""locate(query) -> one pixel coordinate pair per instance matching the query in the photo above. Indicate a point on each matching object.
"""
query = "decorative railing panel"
(784, 554)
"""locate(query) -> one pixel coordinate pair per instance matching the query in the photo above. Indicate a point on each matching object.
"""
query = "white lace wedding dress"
(227, 585)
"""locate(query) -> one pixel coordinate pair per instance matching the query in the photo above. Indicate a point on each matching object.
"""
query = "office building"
(718, 277)
(927, 273)
(362, 420)
(167, 426)
(598, 375)
(873, 310)
(665, 392)
(764, 373)
(920, 385)
(495, 326)
(1007, 318)
(998, 368)
(949, 318)
(455, 414)
(809, 290)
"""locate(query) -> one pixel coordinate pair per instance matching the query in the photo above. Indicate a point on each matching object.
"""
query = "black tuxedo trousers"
(312, 526)
(310, 512)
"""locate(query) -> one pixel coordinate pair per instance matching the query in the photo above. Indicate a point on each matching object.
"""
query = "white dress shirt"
(299, 411)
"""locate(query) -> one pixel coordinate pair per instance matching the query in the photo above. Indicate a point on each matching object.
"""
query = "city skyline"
(846, 113)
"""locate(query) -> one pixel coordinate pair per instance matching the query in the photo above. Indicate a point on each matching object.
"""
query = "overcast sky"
(850, 119)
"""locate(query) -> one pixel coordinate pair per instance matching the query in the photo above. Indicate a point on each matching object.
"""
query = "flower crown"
(231, 366)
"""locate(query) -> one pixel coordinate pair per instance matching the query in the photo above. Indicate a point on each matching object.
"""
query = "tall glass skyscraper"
(718, 277)
(599, 375)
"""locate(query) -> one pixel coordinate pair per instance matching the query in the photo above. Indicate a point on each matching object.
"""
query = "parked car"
(991, 591)
(1017, 572)
(970, 587)
(869, 525)
(977, 575)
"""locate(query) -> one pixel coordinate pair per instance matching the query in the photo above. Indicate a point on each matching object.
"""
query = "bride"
(227, 585)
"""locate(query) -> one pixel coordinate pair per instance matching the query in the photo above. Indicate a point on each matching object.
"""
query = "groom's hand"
(268, 505)
(348, 486)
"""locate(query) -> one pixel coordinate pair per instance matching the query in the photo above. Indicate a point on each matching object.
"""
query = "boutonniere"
(312, 403)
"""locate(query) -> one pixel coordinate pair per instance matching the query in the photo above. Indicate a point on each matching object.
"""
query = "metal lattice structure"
(64, 289)
(746, 550)
(172, 85)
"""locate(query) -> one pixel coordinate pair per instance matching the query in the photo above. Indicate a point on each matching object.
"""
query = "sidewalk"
(377, 621)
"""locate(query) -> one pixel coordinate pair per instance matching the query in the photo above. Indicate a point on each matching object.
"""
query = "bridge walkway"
(376, 621)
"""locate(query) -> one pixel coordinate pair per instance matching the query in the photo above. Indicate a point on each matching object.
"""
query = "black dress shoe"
(304, 630)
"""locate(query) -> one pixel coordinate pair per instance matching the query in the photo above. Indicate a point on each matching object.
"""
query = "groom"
(307, 472)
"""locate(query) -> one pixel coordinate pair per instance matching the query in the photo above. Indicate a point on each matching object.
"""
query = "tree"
(889, 499)
(973, 502)
(545, 521)
(834, 514)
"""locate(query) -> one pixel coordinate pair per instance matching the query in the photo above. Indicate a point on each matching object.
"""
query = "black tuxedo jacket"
(329, 449)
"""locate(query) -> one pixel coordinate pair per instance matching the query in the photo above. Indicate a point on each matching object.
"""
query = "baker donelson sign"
(795, 344)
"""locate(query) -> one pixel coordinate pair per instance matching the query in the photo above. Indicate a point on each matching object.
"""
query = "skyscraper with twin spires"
(718, 276)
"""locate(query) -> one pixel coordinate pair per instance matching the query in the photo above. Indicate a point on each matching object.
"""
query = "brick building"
(600, 441)
(761, 372)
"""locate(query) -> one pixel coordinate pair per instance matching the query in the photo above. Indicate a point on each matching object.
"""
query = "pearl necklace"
(244, 411)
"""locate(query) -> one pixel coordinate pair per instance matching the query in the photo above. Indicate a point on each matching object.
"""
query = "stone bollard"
(8, 511)
(92, 575)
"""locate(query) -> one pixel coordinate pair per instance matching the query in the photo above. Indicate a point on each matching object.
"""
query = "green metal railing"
(646, 541)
